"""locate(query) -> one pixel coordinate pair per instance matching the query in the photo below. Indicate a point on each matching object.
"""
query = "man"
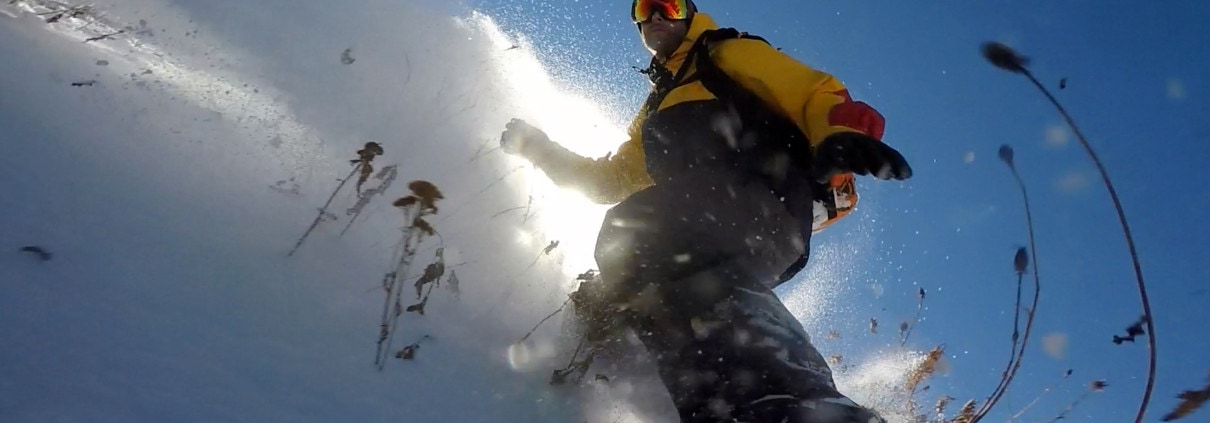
(716, 192)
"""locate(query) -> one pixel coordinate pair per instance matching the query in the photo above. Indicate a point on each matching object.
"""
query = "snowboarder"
(739, 153)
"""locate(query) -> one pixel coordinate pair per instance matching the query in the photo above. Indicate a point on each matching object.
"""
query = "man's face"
(663, 36)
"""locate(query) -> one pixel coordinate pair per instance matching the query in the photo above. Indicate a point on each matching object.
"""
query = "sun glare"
(572, 120)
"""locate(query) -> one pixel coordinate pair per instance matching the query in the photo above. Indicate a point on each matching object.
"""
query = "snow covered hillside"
(168, 156)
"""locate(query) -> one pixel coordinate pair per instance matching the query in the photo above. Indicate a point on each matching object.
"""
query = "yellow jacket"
(806, 95)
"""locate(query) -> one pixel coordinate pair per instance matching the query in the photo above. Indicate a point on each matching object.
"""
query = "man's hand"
(519, 135)
(860, 154)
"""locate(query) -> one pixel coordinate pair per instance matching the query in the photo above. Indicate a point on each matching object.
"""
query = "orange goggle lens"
(670, 9)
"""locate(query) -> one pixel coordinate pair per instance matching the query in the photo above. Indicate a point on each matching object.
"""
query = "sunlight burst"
(570, 119)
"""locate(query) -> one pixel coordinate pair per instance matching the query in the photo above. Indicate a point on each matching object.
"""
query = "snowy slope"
(159, 191)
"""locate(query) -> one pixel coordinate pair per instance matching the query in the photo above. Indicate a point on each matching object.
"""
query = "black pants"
(690, 264)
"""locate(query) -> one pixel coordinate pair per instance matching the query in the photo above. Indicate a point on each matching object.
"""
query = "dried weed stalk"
(1005, 58)
(361, 164)
(420, 204)
(966, 414)
(1020, 265)
(1046, 390)
(905, 328)
(387, 176)
(1094, 386)
(1190, 402)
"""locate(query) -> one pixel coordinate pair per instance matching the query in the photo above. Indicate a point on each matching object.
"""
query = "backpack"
(832, 200)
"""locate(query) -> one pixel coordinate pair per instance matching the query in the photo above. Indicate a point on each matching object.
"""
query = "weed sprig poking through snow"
(361, 165)
(420, 204)
(1007, 59)
(387, 176)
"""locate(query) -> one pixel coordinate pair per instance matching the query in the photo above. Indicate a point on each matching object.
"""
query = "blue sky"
(1137, 86)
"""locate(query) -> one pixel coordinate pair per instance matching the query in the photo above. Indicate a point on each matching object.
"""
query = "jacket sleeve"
(815, 100)
(604, 180)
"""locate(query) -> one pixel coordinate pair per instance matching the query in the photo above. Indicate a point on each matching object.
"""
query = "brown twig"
(1020, 264)
(1005, 58)
(323, 211)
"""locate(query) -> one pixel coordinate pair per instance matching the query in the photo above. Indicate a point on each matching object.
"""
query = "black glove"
(858, 153)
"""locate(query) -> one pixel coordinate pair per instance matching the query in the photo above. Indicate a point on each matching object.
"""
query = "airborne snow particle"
(1176, 89)
(1055, 345)
(1056, 135)
(969, 157)
(1072, 181)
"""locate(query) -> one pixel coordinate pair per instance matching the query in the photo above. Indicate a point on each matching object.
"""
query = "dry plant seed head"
(1191, 401)
(364, 156)
(370, 150)
(427, 194)
(833, 335)
(1006, 155)
(873, 325)
(1021, 261)
(1003, 57)
(966, 414)
(925, 368)
(941, 404)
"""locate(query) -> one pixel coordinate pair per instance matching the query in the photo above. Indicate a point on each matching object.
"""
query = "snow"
(157, 190)
(169, 296)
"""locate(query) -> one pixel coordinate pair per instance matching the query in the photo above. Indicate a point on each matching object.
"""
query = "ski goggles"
(670, 9)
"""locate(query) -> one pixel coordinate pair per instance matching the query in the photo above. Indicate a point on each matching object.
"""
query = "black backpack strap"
(710, 74)
(698, 56)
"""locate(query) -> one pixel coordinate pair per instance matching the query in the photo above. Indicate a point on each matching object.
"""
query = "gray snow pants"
(691, 264)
